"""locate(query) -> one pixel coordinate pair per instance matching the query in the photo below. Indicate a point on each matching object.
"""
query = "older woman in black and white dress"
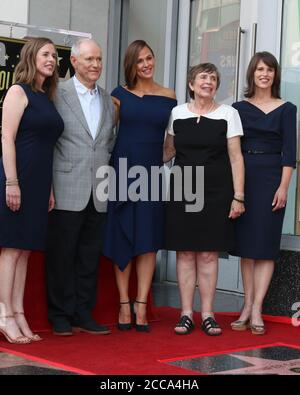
(204, 133)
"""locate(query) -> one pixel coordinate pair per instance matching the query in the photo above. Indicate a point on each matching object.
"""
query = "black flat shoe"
(126, 326)
(140, 327)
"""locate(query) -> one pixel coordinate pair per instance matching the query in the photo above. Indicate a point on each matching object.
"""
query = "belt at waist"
(254, 152)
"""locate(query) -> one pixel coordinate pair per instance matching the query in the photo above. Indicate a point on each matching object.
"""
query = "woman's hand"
(280, 199)
(13, 197)
(51, 201)
(117, 105)
(236, 210)
(169, 148)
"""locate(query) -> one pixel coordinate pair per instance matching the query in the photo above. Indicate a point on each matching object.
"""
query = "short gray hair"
(75, 50)
(201, 68)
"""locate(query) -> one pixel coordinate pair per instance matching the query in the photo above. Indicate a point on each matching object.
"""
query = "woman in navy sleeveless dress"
(31, 127)
(136, 228)
(269, 147)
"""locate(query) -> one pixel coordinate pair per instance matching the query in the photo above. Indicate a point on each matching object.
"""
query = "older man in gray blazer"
(76, 224)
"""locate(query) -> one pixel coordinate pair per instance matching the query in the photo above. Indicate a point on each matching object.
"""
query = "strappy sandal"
(19, 339)
(125, 326)
(184, 322)
(35, 337)
(208, 324)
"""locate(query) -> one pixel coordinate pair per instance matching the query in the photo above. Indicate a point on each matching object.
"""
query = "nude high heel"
(18, 340)
(35, 337)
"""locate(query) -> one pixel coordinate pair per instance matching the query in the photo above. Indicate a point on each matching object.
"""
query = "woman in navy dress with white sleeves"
(269, 148)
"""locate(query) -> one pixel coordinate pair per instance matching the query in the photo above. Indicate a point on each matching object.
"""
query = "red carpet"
(140, 353)
(107, 308)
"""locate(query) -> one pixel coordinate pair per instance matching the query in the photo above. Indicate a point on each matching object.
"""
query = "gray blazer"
(77, 156)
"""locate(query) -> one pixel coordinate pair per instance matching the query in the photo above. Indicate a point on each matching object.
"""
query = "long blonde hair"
(26, 69)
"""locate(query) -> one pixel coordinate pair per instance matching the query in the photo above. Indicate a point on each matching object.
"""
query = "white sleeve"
(234, 124)
(170, 129)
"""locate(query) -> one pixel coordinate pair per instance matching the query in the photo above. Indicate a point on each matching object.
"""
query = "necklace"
(211, 108)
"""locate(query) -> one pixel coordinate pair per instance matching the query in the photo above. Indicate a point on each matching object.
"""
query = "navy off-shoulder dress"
(269, 144)
(137, 227)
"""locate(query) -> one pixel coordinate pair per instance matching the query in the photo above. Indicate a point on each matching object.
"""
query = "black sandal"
(208, 324)
(185, 322)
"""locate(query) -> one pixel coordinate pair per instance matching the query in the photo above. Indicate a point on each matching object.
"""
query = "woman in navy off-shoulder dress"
(269, 147)
(135, 229)
(31, 127)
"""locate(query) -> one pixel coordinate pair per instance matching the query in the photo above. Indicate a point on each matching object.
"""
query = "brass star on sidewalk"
(264, 366)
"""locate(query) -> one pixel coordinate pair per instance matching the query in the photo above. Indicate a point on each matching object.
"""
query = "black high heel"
(128, 326)
(140, 327)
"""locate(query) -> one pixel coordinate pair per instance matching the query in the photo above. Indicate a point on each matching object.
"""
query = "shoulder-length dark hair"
(130, 61)
(270, 61)
(26, 69)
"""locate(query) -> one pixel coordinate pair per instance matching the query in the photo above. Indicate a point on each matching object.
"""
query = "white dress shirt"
(90, 103)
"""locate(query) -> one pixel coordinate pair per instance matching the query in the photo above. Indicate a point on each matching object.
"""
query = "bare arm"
(51, 200)
(116, 103)
(281, 194)
(169, 148)
(169, 93)
(13, 108)
(238, 174)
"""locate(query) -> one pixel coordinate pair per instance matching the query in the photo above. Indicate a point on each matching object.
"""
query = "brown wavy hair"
(270, 61)
(130, 61)
(26, 69)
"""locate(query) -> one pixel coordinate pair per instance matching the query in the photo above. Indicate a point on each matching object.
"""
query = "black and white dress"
(203, 142)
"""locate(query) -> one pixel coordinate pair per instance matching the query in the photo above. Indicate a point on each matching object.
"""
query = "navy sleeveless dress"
(137, 227)
(39, 129)
(269, 143)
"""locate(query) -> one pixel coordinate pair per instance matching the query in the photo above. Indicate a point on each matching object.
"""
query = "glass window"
(146, 21)
(78, 15)
(213, 38)
(290, 62)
